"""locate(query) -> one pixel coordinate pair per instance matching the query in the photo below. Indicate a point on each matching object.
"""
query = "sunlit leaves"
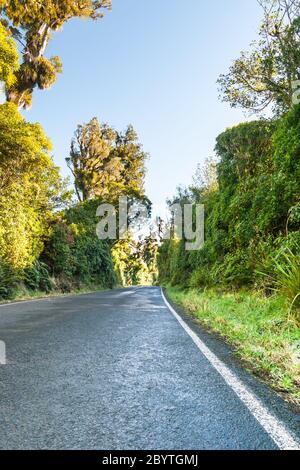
(266, 74)
(105, 163)
(30, 186)
(32, 23)
(9, 59)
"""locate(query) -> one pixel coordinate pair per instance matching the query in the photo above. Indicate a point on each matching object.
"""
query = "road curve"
(116, 370)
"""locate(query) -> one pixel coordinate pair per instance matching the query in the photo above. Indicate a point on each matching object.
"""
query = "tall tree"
(32, 24)
(106, 164)
(268, 73)
(90, 160)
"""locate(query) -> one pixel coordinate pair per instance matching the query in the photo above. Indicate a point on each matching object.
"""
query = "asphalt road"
(115, 370)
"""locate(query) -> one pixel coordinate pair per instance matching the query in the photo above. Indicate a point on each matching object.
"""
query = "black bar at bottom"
(136, 459)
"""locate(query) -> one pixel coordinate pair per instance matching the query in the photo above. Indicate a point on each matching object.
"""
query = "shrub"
(287, 280)
(201, 277)
(37, 277)
(8, 280)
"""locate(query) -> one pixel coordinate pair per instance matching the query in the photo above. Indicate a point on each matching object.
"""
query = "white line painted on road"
(275, 428)
(2, 353)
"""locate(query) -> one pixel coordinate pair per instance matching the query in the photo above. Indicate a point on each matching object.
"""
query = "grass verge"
(25, 294)
(258, 329)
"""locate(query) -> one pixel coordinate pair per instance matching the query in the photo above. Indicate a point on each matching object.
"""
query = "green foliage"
(135, 261)
(287, 279)
(265, 75)
(31, 189)
(106, 164)
(148, 249)
(32, 24)
(9, 59)
(37, 277)
(281, 271)
(57, 252)
(173, 263)
(30, 186)
(74, 253)
(8, 280)
(287, 145)
(49, 250)
(252, 213)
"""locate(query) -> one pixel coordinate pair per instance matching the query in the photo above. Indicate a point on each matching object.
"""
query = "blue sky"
(154, 64)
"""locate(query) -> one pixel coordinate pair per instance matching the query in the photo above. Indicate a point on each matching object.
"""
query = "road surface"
(116, 370)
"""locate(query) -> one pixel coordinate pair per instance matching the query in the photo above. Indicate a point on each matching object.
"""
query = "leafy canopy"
(30, 188)
(268, 73)
(106, 164)
(32, 23)
(9, 58)
(252, 210)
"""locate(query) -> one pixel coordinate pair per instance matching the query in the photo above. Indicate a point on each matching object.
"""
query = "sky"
(153, 64)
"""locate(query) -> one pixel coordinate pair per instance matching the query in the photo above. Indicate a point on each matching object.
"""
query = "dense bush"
(39, 247)
(8, 280)
(37, 277)
(28, 182)
(30, 190)
(73, 251)
(252, 214)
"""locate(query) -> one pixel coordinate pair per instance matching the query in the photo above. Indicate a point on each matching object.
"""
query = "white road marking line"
(283, 438)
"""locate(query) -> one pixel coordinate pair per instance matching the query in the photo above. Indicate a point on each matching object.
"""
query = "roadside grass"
(259, 329)
(26, 294)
